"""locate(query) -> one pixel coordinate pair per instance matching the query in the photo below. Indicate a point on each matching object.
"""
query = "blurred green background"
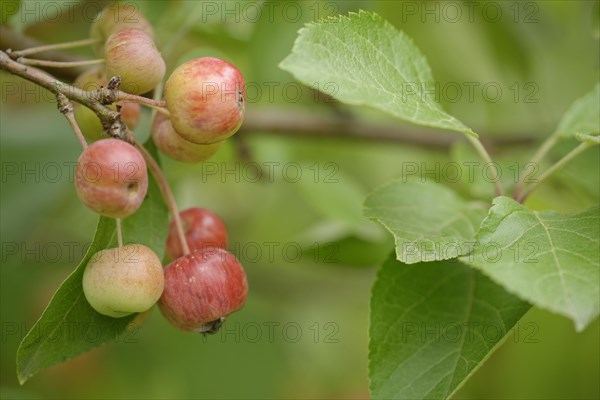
(310, 258)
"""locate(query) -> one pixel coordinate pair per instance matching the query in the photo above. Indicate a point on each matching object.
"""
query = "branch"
(297, 122)
(273, 119)
(111, 120)
(95, 101)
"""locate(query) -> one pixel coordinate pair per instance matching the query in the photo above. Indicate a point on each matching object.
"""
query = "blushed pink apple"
(173, 145)
(111, 178)
(206, 100)
(203, 229)
(203, 288)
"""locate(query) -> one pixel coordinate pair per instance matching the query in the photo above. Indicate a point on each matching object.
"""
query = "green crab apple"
(114, 18)
(132, 55)
(123, 280)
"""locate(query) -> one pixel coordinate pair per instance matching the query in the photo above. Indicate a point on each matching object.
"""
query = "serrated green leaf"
(70, 326)
(361, 59)
(432, 325)
(548, 258)
(582, 117)
(429, 221)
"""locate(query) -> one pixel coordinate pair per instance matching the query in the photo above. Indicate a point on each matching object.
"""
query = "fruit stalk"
(158, 105)
(66, 108)
(486, 157)
(133, 98)
(119, 232)
(165, 189)
(47, 81)
(54, 46)
(58, 64)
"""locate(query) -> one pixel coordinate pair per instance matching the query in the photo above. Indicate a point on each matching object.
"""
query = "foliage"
(372, 62)
(419, 302)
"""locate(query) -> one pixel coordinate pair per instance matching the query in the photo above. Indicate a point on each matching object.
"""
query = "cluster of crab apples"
(203, 283)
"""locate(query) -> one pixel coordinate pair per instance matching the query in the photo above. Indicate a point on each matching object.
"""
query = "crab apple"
(132, 55)
(111, 178)
(206, 100)
(203, 229)
(202, 288)
(114, 18)
(88, 121)
(173, 145)
(123, 280)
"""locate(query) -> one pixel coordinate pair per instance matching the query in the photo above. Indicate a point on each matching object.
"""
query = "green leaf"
(548, 258)
(70, 326)
(337, 199)
(363, 60)
(429, 221)
(432, 325)
(582, 117)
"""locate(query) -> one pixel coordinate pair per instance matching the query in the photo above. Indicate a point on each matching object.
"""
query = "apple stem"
(119, 232)
(66, 107)
(561, 163)
(165, 189)
(133, 98)
(486, 157)
(58, 64)
(157, 104)
(535, 160)
(54, 46)
(163, 111)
